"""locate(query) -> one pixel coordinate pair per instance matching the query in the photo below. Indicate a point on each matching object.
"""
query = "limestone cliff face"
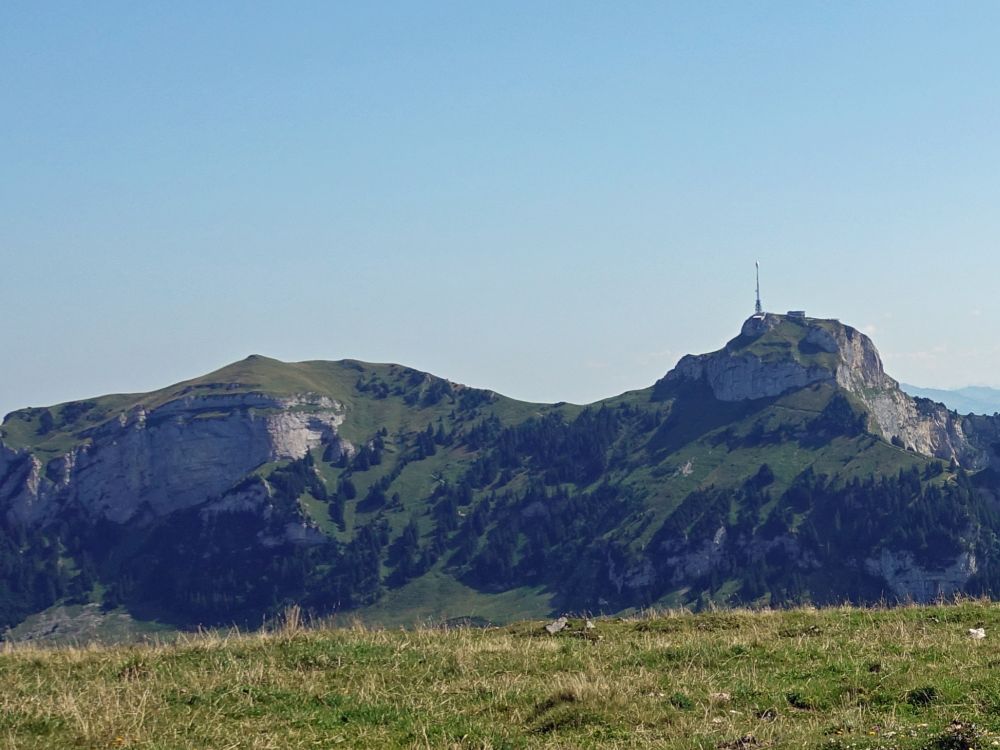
(146, 464)
(907, 580)
(775, 354)
(927, 428)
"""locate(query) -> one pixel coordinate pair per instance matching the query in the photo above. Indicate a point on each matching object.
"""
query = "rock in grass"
(556, 625)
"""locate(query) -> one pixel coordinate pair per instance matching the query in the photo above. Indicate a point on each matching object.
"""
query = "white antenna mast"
(759, 308)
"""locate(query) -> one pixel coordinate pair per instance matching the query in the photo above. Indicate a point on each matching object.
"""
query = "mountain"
(968, 400)
(785, 467)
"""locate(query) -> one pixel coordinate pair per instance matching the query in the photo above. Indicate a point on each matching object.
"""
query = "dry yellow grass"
(834, 678)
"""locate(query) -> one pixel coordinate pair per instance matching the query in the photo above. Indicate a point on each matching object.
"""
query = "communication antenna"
(759, 308)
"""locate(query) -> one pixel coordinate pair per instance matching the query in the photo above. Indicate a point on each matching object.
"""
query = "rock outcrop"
(776, 354)
(909, 581)
(148, 463)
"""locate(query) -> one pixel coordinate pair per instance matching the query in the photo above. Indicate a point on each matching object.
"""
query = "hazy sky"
(554, 200)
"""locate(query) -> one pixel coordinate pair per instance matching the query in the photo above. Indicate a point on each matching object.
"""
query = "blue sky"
(554, 200)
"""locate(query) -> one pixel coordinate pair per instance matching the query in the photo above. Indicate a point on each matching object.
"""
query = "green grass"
(699, 443)
(257, 374)
(436, 597)
(786, 341)
(907, 678)
(316, 510)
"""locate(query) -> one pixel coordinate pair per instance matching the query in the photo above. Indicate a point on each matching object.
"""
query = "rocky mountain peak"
(777, 354)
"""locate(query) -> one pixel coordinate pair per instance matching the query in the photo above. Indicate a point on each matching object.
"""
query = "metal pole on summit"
(759, 308)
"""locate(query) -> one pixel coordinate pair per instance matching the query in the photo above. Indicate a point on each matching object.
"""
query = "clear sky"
(554, 200)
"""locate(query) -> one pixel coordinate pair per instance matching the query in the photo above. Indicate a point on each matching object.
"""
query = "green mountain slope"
(375, 395)
(782, 468)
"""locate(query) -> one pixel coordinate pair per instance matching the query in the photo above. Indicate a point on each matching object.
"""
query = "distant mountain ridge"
(786, 466)
(968, 400)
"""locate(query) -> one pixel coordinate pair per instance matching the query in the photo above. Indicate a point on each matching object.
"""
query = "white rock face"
(736, 376)
(907, 580)
(745, 377)
(148, 464)
(929, 429)
(852, 363)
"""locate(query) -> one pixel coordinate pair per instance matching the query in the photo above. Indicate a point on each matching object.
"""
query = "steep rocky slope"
(775, 354)
(132, 459)
(786, 466)
(147, 463)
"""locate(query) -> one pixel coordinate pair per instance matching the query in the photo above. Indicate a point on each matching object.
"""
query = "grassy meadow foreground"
(835, 678)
